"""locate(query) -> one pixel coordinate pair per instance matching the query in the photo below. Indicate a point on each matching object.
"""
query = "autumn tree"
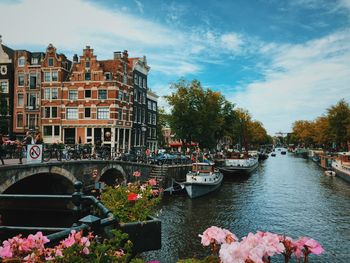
(303, 131)
(339, 123)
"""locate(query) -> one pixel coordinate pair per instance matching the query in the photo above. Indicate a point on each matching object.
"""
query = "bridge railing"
(27, 209)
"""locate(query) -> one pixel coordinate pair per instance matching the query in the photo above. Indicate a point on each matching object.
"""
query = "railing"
(85, 218)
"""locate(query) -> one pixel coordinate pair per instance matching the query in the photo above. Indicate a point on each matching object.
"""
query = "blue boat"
(202, 179)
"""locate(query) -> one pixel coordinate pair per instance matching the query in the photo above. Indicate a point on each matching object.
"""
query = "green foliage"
(209, 259)
(116, 199)
(162, 122)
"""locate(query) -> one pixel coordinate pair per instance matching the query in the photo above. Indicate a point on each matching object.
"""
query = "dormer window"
(21, 61)
(108, 76)
(50, 62)
(34, 61)
(87, 63)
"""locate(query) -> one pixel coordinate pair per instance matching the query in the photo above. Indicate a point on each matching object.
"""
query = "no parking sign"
(34, 153)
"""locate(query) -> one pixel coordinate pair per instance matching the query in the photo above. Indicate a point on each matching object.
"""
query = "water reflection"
(286, 195)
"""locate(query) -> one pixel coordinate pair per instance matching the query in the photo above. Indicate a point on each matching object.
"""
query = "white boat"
(238, 163)
(341, 165)
(329, 173)
(203, 179)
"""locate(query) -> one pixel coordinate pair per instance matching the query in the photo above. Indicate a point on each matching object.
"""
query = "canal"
(285, 195)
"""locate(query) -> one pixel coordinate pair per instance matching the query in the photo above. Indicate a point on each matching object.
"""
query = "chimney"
(75, 58)
(117, 55)
(125, 54)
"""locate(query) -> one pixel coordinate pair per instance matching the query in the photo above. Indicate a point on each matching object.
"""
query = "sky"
(281, 60)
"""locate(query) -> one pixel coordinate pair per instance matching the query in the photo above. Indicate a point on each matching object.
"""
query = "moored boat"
(341, 165)
(301, 152)
(203, 179)
(238, 163)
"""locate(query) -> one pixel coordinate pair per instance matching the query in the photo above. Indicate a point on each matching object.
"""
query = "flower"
(132, 197)
(314, 247)
(216, 235)
(136, 174)
(152, 182)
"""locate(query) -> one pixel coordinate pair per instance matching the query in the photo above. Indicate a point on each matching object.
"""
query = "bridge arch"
(113, 174)
(41, 180)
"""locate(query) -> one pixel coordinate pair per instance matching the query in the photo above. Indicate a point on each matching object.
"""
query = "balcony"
(32, 108)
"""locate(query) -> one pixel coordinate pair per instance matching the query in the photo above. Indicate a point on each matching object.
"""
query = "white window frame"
(70, 92)
(2, 89)
(18, 101)
(21, 61)
(72, 114)
(103, 113)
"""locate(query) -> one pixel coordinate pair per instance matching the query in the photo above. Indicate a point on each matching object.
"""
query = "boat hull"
(238, 169)
(344, 174)
(195, 190)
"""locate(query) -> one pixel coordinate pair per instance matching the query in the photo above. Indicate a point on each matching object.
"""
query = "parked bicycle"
(52, 151)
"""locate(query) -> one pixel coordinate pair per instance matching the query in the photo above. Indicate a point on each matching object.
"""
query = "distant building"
(139, 130)
(151, 139)
(27, 91)
(6, 89)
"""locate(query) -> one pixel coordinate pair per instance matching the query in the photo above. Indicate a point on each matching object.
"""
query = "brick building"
(27, 88)
(6, 89)
(97, 101)
(55, 70)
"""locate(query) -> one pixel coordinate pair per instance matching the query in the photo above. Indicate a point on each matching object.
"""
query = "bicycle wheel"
(59, 155)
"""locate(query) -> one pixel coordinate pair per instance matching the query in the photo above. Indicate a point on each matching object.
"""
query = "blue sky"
(281, 60)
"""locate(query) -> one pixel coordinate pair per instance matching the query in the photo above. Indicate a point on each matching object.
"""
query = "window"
(120, 95)
(150, 118)
(50, 62)
(20, 79)
(87, 112)
(72, 113)
(120, 114)
(127, 116)
(108, 76)
(140, 82)
(21, 61)
(19, 120)
(144, 98)
(47, 94)
(154, 117)
(88, 132)
(102, 94)
(144, 83)
(32, 80)
(154, 106)
(4, 86)
(54, 93)
(87, 63)
(47, 76)
(103, 113)
(54, 112)
(149, 105)
(127, 97)
(73, 95)
(47, 130)
(88, 93)
(20, 99)
(56, 130)
(87, 76)
(32, 101)
(135, 95)
(32, 121)
(54, 76)
(47, 112)
(35, 61)
(135, 79)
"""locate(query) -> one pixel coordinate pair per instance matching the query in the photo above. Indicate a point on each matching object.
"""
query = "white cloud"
(231, 41)
(301, 82)
(139, 6)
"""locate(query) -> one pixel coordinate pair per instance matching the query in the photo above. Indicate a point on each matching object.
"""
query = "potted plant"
(133, 206)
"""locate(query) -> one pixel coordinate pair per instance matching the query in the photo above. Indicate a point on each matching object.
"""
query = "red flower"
(132, 197)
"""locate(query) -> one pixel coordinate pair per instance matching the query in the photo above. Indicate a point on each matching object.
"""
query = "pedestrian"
(28, 139)
(2, 149)
(38, 138)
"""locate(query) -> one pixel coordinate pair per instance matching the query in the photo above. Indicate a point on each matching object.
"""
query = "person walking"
(28, 139)
(2, 150)
(38, 138)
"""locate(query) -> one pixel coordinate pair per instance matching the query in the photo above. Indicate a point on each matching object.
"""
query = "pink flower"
(5, 250)
(136, 174)
(299, 246)
(152, 182)
(215, 235)
(314, 246)
(86, 251)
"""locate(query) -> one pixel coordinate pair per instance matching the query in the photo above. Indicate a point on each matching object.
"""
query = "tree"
(304, 132)
(339, 123)
(196, 113)
(161, 123)
(321, 131)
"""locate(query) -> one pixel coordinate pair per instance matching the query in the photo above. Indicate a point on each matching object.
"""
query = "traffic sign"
(34, 153)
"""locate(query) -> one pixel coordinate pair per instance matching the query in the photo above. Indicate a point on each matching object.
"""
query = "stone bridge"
(59, 177)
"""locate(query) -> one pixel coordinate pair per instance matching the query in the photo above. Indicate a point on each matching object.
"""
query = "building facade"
(6, 89)
(139, 130)
(55, 71)
(151, 138)
(97, 102)
(27, 91)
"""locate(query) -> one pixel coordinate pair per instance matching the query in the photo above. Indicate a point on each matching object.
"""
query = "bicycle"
(51, 151)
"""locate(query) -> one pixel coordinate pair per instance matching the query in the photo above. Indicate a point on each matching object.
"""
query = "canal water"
(285, 195)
